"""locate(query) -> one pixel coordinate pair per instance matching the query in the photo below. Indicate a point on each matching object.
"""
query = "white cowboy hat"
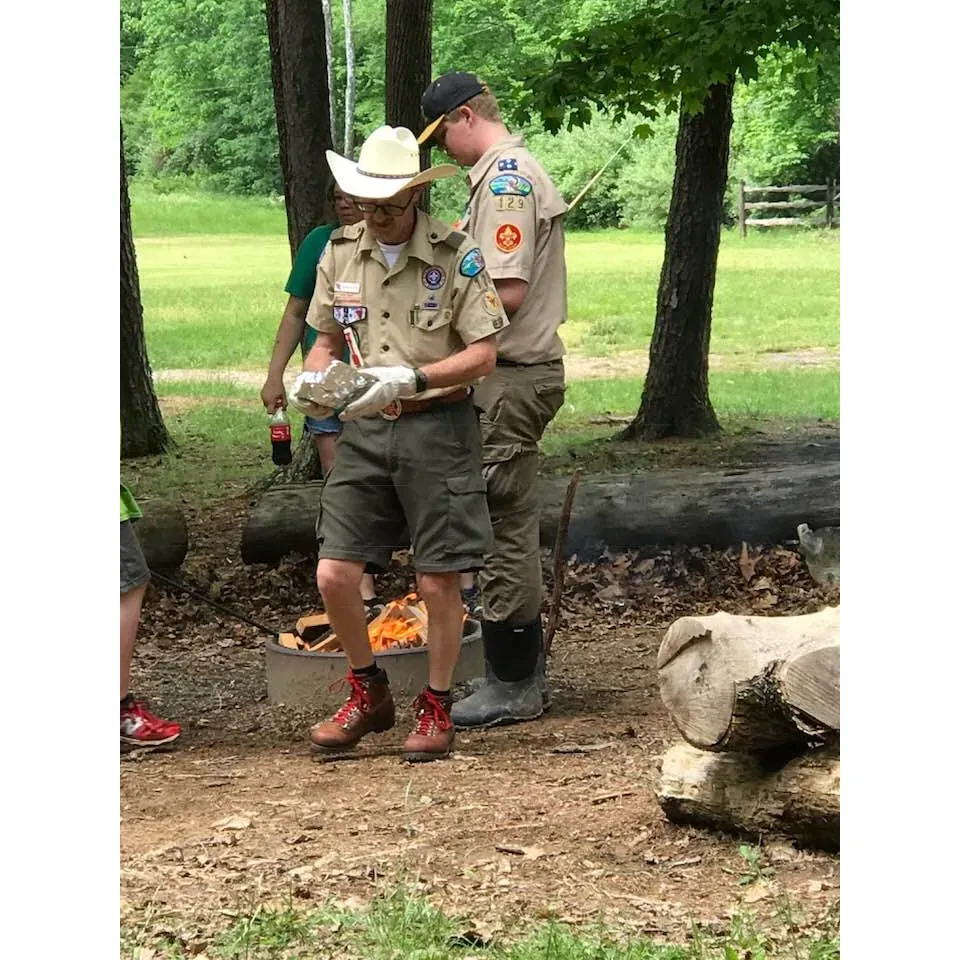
(389, 162)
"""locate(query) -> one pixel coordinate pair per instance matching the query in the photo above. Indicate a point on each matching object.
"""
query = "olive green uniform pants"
(516, 405)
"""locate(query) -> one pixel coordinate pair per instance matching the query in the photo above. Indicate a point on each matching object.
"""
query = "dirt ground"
(554, 818)
(625, 363)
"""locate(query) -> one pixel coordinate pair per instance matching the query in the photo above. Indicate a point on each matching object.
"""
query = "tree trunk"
(298, 60)
(628, 512)
(676, 401)
(331, 82)
(142, 430)
(738, 793)
(350, 99)
(409, 56)
(752, 684)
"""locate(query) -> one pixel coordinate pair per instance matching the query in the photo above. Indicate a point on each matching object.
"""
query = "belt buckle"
(392, 410)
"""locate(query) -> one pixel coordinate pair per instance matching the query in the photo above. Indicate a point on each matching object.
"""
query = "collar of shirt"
(425, 230)
(479, 170)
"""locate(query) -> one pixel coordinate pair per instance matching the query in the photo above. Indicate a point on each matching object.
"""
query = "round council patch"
(508, 237)
(433, 278)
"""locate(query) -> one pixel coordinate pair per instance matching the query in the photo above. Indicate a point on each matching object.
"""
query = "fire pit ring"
(299, 678)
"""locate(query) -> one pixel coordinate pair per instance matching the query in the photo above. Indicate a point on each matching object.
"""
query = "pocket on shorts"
(468, 521)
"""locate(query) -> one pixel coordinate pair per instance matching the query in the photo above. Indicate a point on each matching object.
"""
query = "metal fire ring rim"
(472, 636)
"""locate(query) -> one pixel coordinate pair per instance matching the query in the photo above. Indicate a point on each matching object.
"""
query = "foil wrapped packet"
(322, 393)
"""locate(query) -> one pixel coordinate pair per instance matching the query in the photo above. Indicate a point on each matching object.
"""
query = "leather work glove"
(393, 383)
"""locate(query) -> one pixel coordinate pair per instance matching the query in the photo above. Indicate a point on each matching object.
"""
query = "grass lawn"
(212, 274)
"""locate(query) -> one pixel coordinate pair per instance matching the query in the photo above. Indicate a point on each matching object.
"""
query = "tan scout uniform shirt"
(436, 299)
(517, 215)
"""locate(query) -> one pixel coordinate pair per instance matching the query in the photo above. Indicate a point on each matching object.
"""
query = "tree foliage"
(196, 103)
(669, 53)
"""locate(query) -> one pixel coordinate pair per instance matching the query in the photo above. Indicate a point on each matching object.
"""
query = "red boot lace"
(431, 714)
(359, 699)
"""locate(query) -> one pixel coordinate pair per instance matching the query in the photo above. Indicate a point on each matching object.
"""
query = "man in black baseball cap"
(446, 93)
(515, 213)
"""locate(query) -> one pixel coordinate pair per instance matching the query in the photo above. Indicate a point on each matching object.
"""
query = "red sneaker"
(139, 727)
(432, 736)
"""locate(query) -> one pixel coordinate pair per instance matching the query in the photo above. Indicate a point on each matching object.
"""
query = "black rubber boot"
(514, 688)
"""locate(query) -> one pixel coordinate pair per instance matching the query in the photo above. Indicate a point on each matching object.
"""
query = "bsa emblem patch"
(472, 263)
(433, 278)
(511, 183)
(508, 237)
(348, 316)
(507, 163)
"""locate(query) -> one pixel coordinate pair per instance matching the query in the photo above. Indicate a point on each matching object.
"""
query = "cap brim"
(356, 184)
(429, 130)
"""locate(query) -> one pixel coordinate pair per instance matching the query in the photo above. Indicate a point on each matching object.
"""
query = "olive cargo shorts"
(516, 404)
(416, 481)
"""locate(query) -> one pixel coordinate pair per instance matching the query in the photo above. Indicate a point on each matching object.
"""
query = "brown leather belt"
(400, 407)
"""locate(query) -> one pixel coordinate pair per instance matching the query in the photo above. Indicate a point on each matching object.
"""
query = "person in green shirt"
(138, 726)
(293, 331)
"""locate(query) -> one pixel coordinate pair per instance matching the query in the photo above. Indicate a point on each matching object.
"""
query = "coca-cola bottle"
(280, 437)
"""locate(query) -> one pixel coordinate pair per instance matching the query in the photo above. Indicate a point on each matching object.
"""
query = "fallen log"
(720, 508)
(162, 532)
(751, 683)
(735, 792)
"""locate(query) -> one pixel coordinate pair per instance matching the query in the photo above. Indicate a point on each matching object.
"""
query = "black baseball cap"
(446, 93)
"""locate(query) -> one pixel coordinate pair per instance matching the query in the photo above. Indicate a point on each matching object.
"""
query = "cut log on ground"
(751, 683)
(162, 533)
(719, 508)
(734, 792)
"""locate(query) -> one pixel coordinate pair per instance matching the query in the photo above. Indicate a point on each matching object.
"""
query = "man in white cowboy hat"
(516, 213)
(413, 301)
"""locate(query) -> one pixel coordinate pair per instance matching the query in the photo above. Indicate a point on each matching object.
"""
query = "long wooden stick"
(559, 566)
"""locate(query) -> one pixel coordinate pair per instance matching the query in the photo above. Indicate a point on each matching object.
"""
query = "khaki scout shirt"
(436, 299)
(517, 215)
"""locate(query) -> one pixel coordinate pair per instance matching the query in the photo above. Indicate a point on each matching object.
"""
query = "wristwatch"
(421, 379)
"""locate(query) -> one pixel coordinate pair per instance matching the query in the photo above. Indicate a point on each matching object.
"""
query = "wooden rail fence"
(829, 202)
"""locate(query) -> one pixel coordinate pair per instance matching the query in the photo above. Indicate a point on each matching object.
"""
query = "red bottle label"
(279, 432)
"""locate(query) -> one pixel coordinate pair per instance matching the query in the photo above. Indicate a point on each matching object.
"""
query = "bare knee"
(438, 587)
(338, 577)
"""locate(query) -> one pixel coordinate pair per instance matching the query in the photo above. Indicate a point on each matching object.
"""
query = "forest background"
(198, 110)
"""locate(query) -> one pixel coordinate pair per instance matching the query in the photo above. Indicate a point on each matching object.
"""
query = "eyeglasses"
(390, 209)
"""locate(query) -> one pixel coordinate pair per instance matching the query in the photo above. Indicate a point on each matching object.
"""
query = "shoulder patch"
(507, 163)
(472, 262)
(454, 239)
(511, 183)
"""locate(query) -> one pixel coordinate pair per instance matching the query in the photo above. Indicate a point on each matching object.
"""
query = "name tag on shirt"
(346, 286)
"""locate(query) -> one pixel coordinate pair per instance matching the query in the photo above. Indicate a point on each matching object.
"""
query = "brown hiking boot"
(369, 709)
(432, 736)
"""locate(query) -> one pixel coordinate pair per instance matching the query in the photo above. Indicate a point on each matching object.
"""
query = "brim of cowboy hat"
(350, 180)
